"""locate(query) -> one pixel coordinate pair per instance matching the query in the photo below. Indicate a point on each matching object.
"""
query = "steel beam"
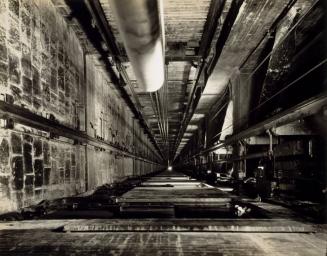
(225, 31)
(270, 30)
(211, 24)
(259, 140)
(307, 108)
(215, 9)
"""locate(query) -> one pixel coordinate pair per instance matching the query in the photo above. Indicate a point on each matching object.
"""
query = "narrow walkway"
(172, 194)
(171, 214)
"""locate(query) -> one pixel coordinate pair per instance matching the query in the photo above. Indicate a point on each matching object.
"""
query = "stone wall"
(34, 167)
(41, 61)
(108, 116)
(42, 69)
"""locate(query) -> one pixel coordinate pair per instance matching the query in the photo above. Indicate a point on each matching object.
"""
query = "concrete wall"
(42, 68)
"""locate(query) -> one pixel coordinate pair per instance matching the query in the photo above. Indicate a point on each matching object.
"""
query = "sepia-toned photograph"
(163, 127)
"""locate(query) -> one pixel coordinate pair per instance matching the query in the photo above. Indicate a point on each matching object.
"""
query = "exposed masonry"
(32, 167)
(42, 61)
(42, 69)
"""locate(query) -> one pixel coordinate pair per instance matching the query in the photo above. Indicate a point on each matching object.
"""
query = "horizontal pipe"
(140, 27)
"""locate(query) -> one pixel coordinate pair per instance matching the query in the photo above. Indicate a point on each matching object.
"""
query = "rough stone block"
(17, 172)
(38, 170)
(18, 195)
(54, 151)
(29, 180)
(3, 68)
(14, 35)
(28, 138)
(77, 172)
(73, 173)
(14, 6)
(16, 143)
(38, 194)
(61, 157)
(27, 86)
(3, 51)
(67, 170)
(61, 99)
(14, 71)
(26, 61)
(46, 153)
(68, 106)
(26, 20)
(61, 52)
(46, 175)
(46, 93)
(16, 93)
(2, 29)
(53, 106)
(4, 187)
(53, 80)
(73, 158)
(29, 191)
(27, 5)
(67, 89)
(37, 145)
(37, 103)
(61, 175)
(3, 79)
(4, 152)
(61, 78)
(36, 81)
(27, 148)
(54, 175)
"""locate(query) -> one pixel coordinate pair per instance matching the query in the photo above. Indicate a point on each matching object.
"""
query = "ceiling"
(184, 24)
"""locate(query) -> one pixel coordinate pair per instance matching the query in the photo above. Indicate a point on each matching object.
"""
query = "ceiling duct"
(140, 23)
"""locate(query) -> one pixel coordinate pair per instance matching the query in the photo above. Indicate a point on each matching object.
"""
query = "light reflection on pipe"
(141, 29)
